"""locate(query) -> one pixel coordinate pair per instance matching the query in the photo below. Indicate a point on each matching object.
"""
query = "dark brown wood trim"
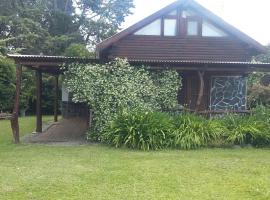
(38, 103)
(201, 89)
(56, 97)
(162, 26)
(15, 114)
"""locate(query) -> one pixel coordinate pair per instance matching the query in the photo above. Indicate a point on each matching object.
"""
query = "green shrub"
(253, 129)
(111, 87)
(192, 131)
(139, 129)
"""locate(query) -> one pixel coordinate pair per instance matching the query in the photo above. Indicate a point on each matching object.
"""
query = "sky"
(250, 16)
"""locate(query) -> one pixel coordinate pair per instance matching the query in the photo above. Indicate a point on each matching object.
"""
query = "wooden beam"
(38, 103)
(56, 88)
(201, 90)
(15, 115)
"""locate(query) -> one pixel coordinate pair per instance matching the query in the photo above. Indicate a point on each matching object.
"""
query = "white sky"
(250, 16)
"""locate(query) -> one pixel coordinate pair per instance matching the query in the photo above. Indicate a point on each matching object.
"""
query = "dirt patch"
(66, 130)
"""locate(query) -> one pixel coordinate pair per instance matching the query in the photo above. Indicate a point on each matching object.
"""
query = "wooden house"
(211, 55)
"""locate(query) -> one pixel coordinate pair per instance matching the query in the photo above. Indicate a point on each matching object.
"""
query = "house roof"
(53, 64)
(197, 7)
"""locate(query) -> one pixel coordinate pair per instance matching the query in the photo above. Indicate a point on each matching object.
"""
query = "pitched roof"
(192, 4)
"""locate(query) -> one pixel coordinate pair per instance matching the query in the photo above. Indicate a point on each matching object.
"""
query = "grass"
(100, 172)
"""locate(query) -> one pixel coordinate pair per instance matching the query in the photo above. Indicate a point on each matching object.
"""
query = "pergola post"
(15, 114)
(38, 102)
(201, 90)
(56, 98)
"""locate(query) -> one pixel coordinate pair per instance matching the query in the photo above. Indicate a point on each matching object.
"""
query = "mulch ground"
(67, 131)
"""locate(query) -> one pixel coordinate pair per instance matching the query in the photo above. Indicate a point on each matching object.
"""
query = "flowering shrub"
(111, 87)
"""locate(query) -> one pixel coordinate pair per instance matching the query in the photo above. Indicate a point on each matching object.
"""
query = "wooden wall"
(177, 48)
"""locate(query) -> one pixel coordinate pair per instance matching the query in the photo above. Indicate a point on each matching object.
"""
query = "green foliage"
(139, 129)
(258, 95)
(192, 131)
(7, 87)
(168, 88)
(265, 58)
(114, 86)
(146, 130)
(49, 27)
(78, 50)
(253, 129)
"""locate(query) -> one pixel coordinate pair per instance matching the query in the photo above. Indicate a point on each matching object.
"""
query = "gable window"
(170, 27)
(151, 29)
(209, 30)
(192, 28)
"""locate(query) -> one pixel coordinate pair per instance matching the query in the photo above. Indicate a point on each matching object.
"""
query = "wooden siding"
(177, 48)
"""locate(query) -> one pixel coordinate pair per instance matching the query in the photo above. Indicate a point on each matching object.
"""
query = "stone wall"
(228, 93)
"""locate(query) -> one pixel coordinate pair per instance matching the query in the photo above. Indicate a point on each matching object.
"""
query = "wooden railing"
(5, 116)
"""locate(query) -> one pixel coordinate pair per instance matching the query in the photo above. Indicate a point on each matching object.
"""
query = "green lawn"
(99, 172)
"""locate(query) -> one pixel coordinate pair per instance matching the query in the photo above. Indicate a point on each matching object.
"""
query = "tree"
(78, 50)
(7, 87)
(49, 27)
(258, 93)
(55, 27)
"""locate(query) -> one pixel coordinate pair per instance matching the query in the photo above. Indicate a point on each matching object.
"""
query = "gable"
(181, 22)
(184, 21)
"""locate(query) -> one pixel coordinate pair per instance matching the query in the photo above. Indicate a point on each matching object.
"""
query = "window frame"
(199, 25)
(170, 17)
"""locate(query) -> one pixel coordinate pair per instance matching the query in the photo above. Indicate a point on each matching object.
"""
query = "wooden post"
(15, 114)
(201, 90)
(56, 98)
(38, 103)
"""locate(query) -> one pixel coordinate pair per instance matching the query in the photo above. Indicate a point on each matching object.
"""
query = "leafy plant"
(192, 131)
(139, 129)
(115, 86)
(253, 129)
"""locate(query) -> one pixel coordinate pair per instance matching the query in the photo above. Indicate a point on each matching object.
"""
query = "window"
(209, 30)
(151, 29)
(170, 27)
(192, 28)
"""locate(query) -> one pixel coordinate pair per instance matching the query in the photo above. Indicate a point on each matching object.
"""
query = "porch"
(195, 94)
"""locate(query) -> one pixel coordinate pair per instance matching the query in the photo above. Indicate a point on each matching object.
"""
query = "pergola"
(53, 65)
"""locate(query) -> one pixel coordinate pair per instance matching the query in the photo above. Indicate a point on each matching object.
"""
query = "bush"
(192, 131)
(146, 130)
(253, 129)
(139, 129)
(115, 86)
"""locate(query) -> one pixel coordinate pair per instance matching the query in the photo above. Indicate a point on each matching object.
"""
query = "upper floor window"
(166, 26)
(151, 29)
(192, 28)
(170, 27)
(209, 30)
